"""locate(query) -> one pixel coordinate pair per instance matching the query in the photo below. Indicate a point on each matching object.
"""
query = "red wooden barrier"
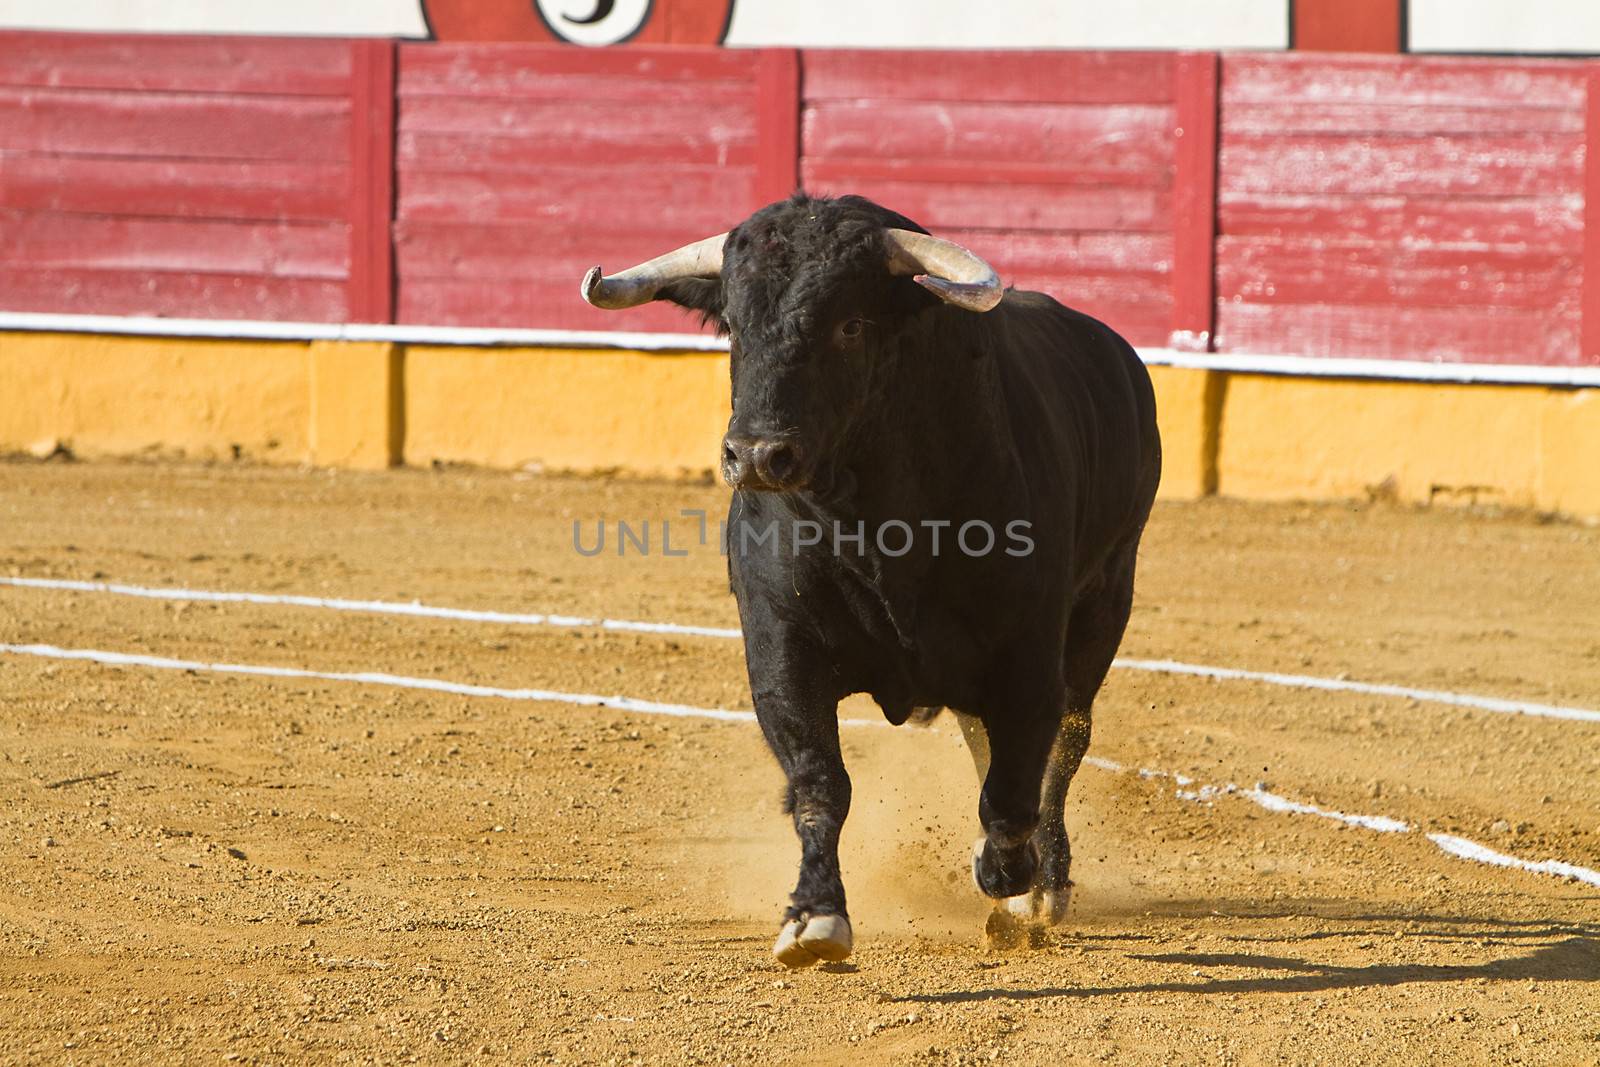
(1401, 208)
(183, 176)
(1194, 211)
(1591, 219)
(777, 125)
(1057, 167)
(1394, 207)
(521, 166)
(371, 182)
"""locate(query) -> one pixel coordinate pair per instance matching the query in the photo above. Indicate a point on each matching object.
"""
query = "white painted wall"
(387, 18)
(1561, 26)
(840, 23)
(1553, 26)
(1012, 23)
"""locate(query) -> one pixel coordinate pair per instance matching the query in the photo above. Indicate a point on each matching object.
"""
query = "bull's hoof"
(1003, 930)
(813, 939)
(1041, 907)
(998, 881)
(1024, 918)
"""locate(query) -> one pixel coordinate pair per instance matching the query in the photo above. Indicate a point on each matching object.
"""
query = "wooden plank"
(1146, 257)
(1312, 270)
(1448, 335)
(596, 148)
(508, 70)
(706, 197)
(1589, 346)
(299, 192)
(843, 169)
(110, 243)
(1538, 164)
(1000, 207)
(548, 302)
(1347, 25)
(1411, 81)
(1385, 119)
(489, 265)
(1468, 223)
(726, 118)
(539, 87)
(450, 250)
(454, 132)
(494, 252)
(1122, 137)
(153, 62)
(372, 181)
(289, 129)
(178, 295)
(1060, 77)
(777, 126)
(1085, 289)
(1194, 201)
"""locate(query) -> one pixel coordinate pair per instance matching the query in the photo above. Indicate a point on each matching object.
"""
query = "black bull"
(935, 505)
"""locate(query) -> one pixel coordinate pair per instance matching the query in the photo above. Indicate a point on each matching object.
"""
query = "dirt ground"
(199, 866)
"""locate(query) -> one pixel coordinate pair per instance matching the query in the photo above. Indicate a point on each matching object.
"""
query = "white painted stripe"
(1205, 794)
(1392, 369)
(376, 607)
(391, 607)
(1471, 850)
(1273, 802)
(1245, 363)
(1341, 685)
(249, 329)
(1454, 845)
(436, 685)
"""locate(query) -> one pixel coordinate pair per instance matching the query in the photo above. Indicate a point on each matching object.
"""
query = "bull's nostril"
(730, 456)
(780, 462)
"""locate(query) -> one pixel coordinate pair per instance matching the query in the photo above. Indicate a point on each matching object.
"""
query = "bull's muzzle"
(763, 463)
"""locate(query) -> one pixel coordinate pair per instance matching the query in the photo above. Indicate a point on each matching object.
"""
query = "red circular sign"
(701, 22)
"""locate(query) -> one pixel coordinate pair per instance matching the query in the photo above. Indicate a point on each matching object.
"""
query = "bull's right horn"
(639, 285)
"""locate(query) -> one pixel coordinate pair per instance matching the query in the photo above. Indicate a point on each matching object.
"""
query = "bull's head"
(813, 294)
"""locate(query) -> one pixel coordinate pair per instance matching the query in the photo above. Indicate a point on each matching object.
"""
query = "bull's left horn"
(639, 285)
(952, 273)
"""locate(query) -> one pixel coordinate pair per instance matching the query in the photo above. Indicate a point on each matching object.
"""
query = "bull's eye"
(852, 329)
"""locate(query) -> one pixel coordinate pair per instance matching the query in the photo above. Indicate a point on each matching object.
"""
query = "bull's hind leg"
(1093, 636)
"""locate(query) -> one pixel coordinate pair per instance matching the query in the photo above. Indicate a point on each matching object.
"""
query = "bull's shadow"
(1571, 954)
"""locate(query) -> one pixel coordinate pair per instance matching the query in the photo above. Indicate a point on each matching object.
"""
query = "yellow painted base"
(373, 405)
(566, 409)
(105, 395)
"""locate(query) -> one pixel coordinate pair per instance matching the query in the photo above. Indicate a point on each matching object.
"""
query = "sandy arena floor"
(199, 865)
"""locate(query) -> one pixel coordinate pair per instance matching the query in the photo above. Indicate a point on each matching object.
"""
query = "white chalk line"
(416, 609)
(437, 685)
(412, 608)
(1460, 847)
(1341, 685)
(1455, 846)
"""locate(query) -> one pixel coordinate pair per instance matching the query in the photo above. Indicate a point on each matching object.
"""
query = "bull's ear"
(697, 294)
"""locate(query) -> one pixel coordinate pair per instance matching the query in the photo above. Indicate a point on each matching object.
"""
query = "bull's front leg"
(801, 725)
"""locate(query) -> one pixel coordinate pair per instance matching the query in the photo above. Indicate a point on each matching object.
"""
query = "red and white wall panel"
(1281, 204)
